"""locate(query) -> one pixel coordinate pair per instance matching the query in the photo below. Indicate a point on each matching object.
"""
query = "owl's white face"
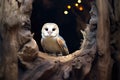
(50, 30)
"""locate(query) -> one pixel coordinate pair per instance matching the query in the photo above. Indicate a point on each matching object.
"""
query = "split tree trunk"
(16, 42)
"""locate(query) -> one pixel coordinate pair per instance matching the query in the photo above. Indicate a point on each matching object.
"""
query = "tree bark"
(8, 56)
(13, 19)
(104, 64)
(17, 46)
(115, 32)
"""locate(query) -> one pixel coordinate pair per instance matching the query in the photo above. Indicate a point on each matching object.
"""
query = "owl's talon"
(60, 54)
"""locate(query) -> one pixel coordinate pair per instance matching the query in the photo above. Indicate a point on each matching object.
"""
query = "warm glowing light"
(76, 4)
(66, 12)
(79, 1)
(69, 7)
(81, 8)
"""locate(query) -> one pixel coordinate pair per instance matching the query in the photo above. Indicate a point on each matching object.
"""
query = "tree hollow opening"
(70, 23)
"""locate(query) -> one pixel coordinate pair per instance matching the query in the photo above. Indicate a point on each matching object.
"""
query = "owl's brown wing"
(62, 45)
(42, 44)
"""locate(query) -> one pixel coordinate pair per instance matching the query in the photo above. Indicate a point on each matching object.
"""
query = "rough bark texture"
(16, 42)
(115, 32)
(8, 56)
(13, 18)
(103, 38)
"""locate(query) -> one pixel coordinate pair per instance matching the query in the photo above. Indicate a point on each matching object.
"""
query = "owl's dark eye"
(46, 29)
(53, 29)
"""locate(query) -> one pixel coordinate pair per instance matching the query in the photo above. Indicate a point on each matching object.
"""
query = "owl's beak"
(49, 32)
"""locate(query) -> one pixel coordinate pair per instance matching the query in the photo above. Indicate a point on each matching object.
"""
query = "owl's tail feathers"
(66, 52)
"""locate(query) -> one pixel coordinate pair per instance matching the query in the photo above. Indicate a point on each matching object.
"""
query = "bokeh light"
(69, 7)
(81, 8)
(65, 12)
(79, 1)
(76, 4)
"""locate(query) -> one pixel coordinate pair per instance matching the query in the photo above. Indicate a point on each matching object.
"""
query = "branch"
(80, 59)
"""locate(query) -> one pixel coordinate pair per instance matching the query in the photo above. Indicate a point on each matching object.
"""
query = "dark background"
(45, 11)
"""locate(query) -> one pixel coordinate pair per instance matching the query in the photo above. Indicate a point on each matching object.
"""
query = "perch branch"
(80, 59)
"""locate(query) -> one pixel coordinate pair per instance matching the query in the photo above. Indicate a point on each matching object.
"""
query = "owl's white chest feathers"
(51, 45)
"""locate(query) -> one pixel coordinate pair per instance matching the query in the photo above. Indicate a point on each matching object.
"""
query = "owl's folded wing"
(62, 45)
(42, 44)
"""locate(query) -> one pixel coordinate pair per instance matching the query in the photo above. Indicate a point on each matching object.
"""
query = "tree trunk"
(115, 32)
(8, 56)
(103, 41)
(12, 19)
(18, 48)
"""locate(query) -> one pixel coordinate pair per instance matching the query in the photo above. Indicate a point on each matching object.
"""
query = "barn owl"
(51, 41)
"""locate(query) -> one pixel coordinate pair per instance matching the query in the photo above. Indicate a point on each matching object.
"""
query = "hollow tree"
(92, 61)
